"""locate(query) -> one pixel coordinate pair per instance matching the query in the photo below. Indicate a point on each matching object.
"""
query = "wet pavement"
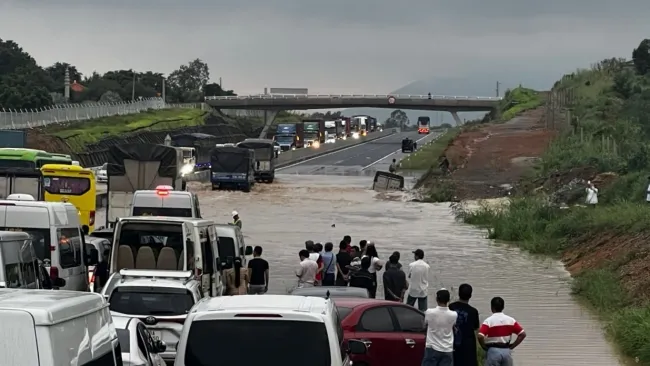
(298, 207)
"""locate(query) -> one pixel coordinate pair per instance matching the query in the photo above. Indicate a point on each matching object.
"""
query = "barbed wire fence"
(18, 119)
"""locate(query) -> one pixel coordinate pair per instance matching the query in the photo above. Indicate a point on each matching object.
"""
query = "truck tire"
(271, 179)
(246, 188)
(215, 187)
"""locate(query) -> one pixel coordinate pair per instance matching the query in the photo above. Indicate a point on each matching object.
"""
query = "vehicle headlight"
(316, 144)
(355, 135)
(187, 169)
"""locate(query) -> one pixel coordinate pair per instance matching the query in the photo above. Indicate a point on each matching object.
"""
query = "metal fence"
(30, 118)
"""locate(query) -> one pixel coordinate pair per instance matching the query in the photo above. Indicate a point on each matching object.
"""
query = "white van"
(168, 243)
(19, 266)
(53, 328)
(288, 330)
(56, 234)
(165, 201)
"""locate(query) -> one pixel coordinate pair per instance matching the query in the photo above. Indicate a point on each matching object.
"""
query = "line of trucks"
(315, 131)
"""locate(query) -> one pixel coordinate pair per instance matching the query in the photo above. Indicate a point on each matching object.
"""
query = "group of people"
(452, 328)
(253, 279)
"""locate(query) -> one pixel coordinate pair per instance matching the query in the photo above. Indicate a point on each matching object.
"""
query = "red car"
(395, 332)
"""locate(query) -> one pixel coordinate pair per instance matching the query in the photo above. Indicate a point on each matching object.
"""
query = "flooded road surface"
(295, 208)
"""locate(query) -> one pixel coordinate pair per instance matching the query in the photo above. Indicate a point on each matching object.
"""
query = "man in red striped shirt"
(495, 335)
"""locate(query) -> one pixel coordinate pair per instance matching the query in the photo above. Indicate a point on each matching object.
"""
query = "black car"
(409, 145)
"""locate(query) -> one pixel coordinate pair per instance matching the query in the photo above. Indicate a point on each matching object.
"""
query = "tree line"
(26, 85)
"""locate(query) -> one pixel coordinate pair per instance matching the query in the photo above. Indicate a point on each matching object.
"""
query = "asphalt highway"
(361, 159)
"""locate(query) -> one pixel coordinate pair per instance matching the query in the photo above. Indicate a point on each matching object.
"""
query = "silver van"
(19, 265)
(165, 201)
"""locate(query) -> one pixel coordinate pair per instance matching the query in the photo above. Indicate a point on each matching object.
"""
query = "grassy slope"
(426, 156)
(519, 100)
(532, 224)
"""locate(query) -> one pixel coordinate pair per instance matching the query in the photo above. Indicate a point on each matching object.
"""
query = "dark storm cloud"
(330, 46)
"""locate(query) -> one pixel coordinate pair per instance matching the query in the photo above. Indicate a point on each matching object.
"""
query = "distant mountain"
(476, 86)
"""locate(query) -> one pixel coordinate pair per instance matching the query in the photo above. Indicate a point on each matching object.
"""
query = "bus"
(423, 125)
(73, 184)
(20, 170)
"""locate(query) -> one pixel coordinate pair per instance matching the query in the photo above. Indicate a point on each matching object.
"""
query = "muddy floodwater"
(281, 216)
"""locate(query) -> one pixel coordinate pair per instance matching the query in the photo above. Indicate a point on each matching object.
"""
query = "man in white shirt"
(306, 273)
(440, 322)
(418, 277)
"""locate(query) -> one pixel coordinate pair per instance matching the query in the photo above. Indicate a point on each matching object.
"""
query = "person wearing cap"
(418, 276)
(440, 323)
(235, 219)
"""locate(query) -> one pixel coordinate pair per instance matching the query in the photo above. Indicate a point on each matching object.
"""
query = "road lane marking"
(338, 151)
(396, 151)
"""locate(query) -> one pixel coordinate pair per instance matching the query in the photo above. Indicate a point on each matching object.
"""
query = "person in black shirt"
(395, 284)
(343, 260)
(258, 272)
(467, 324)
(362, 278)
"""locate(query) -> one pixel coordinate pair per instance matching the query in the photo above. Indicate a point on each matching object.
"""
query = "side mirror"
(92, 258)
(356, 347)
(159, 346)
(249, 250)
(58, 282)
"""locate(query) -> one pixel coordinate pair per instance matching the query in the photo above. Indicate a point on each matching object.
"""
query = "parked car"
(394, 332)
(138, 347)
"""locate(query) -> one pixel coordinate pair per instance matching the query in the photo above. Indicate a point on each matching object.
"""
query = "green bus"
(20, 170)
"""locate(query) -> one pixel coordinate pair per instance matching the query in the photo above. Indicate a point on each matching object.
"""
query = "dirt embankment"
(488, 158)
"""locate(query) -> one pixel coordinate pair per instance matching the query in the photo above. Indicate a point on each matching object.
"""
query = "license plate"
(156, 335)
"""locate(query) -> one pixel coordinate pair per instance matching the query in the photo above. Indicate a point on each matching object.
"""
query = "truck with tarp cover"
(288, 136)
(265, 158)
(314, 132)
(232, 167)
(133, 167)
(202, 144)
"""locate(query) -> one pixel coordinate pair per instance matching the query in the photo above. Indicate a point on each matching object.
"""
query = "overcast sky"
(329, 46)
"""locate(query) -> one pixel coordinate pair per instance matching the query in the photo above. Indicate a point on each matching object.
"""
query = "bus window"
(66, 185)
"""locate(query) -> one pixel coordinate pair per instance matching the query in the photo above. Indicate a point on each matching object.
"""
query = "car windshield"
(124, 338)
(162, 211)
(150, 301)
(282, 341)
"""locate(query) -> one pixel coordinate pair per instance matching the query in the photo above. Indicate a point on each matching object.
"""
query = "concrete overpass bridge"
(273, 103)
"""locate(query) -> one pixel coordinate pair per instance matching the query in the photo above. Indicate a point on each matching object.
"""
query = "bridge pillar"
(269, 117)
(454, 114)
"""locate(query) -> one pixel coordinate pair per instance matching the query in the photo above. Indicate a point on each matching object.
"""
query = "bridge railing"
(348, 96)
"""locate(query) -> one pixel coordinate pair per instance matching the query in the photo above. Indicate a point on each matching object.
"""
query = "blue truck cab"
(232, 167)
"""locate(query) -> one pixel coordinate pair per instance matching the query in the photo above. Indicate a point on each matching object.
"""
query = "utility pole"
(133, 88)
(66, 85)
(220, 83)
(498, 84)
(163, 91)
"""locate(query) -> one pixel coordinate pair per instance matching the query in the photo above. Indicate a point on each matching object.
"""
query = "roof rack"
(155, 274)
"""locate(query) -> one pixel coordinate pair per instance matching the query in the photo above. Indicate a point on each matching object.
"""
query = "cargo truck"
(343, 128)
(313, 132)
(133, 167)
(288, 136)
(331, 131)
(232, 167)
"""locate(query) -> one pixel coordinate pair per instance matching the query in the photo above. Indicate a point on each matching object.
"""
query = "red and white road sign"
(391, 100)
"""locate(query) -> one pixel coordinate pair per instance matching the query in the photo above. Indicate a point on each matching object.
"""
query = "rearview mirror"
(219, 265)
(249, 250)
(356, 347)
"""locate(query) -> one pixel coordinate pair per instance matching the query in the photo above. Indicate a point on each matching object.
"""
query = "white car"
(137, 345)
(102, 174)
(160, 298)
